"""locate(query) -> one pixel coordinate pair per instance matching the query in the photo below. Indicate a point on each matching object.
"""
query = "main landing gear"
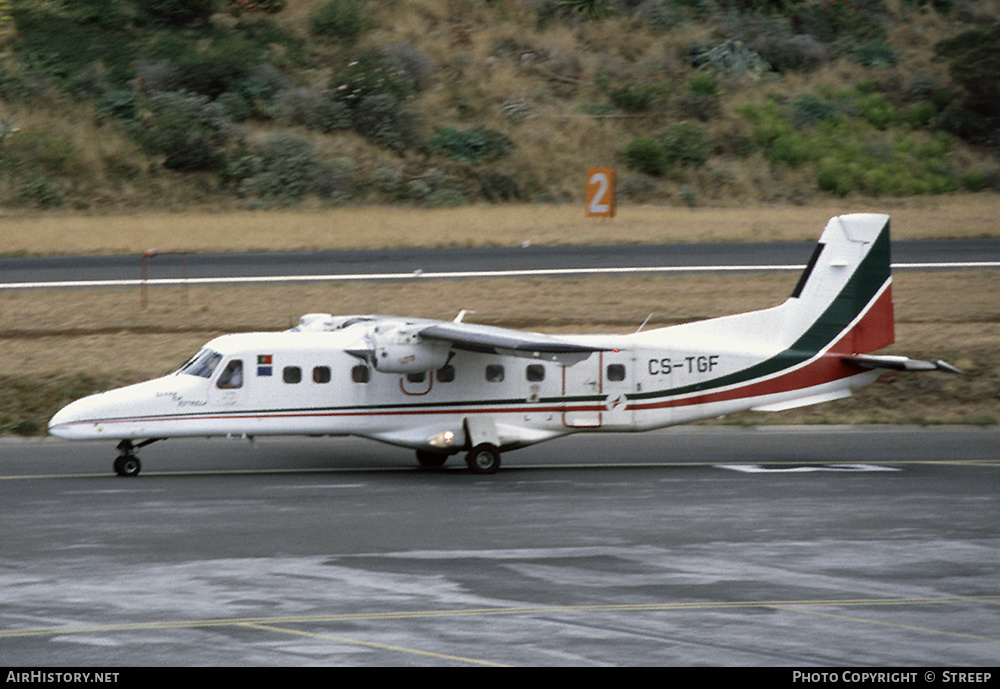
(127, 463)
(482, 459)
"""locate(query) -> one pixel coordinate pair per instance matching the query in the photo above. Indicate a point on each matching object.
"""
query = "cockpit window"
(231, 376)
(203, 364)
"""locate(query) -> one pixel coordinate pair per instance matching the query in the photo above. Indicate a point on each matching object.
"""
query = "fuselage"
(308, 383)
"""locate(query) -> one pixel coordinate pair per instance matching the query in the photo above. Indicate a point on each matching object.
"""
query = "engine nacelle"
(399, 349)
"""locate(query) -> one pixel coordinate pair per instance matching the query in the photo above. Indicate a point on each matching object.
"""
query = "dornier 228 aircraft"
(443, 387)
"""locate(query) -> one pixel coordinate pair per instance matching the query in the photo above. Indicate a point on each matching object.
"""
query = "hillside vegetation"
(109, 105)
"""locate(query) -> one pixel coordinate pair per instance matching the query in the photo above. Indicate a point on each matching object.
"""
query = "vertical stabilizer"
(845, 292)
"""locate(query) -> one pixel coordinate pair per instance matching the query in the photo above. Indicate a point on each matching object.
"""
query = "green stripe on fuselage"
(860, 289)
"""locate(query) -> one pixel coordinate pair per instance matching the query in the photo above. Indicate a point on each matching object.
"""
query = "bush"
(856, 19)
(334, 180)
(119, 104)
(311, 108)
(859, 153)
(431, 188)
(793, 53)
(634, 96)
(875, 54)
(686, 143)
(219, 68)
(39, 190)
(382, 120)
(593, 10)
(729, 58)
(189, 129)
(794, 148)
(60, 44)
(346, 19)
(265, 6)
(832, 177)
(701, 98)
(478, 145)
(373, 88)
(703, 84)
(415, 63)
(37, 148)
(967, 124)
(500, 187)
(974, 63)
(286, 166)
(371, 74)
(388, 180)
(175, 12)
(809, 110)
(877, 111)
(646, 156)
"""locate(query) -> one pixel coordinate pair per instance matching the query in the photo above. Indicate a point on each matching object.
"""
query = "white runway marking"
(420, 275)
(758, 469)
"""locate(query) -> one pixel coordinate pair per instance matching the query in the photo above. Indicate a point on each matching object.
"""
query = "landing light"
(443, 439)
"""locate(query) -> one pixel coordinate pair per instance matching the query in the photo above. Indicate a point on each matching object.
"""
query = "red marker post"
(601, 192)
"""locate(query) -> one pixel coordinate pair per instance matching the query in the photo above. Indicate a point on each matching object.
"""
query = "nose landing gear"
(127, 463)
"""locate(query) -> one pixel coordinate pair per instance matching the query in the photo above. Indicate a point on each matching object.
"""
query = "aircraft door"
(618, 380)
(595, 390)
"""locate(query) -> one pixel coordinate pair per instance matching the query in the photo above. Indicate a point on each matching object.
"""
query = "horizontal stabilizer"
(899, 363)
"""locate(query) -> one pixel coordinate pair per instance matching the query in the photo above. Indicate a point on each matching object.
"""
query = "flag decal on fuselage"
(264, 362)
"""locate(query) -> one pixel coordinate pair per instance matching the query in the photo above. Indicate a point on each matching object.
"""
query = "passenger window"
(231, 376)
(321, 374)
(446, 374)
(535, 373)
(361, 374)
(494, 373)
(416, 377)
(292, 374)
(616, 372)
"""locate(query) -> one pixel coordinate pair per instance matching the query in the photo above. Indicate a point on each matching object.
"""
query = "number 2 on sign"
(601, 192)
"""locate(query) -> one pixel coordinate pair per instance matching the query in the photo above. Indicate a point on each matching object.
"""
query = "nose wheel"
(127, 463)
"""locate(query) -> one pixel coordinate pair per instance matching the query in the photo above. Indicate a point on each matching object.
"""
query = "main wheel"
(483, 459)
(127, 465)
(431, 460)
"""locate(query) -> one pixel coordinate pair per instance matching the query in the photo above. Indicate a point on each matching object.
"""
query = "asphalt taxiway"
(76, 271)
(825, 546)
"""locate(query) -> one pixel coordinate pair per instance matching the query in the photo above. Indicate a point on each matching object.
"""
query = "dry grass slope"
(524, 69)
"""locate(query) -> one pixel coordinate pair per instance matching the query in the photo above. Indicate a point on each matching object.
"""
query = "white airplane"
(444, 387)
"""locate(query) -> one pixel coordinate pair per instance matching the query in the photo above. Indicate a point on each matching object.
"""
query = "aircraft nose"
(65, 422)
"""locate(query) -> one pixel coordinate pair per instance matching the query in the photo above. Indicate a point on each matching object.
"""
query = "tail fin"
(845, 293)
(843, 298)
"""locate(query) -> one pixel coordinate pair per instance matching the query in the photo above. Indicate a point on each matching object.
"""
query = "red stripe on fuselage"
(869, 333)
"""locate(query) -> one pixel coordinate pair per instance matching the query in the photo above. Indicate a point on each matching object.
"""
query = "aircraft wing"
(491, 339)
(899, 363)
